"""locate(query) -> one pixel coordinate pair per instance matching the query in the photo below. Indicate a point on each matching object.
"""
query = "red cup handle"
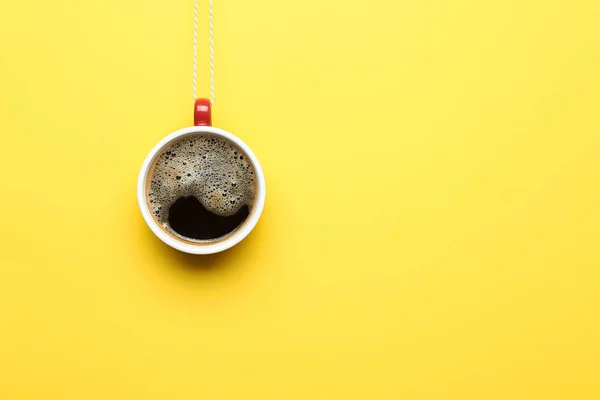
(202, 112)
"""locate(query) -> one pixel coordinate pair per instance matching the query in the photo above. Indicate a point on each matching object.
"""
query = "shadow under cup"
(201, 190)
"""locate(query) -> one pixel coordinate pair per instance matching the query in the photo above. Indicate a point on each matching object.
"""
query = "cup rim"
(236, 236)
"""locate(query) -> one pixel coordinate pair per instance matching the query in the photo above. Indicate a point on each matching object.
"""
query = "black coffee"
(188, 217)
(201, 187)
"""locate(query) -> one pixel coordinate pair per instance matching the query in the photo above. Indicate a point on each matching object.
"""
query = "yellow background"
(432, 225)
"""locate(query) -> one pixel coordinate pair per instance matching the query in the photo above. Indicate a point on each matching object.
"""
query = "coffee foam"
(207, 167)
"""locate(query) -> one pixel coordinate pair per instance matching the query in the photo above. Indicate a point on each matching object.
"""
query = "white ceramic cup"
(201, 247)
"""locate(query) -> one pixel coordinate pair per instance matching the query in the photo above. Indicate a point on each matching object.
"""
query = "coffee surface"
(209, 169)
